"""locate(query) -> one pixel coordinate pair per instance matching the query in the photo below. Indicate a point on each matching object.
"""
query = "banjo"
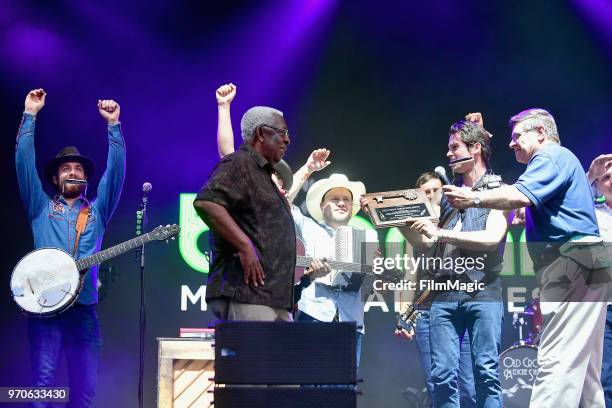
(48, 281)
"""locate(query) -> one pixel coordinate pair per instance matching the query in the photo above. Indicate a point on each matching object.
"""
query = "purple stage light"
(32, 49)
(598, 13)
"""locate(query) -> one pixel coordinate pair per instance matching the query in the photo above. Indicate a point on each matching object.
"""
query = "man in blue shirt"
(560, 223)
(75, 332)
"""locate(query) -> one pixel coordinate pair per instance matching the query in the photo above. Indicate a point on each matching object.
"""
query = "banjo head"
(45, 281)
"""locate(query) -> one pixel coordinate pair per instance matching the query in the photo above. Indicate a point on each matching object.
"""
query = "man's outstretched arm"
(316, 161)
(30, 186)
(503, 198)
(225, 135)
(111, 183)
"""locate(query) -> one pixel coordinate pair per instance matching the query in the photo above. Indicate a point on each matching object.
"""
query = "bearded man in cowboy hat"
(331, 202)
(75, 332)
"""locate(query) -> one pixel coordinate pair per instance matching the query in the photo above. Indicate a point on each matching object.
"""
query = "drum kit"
(519, 363)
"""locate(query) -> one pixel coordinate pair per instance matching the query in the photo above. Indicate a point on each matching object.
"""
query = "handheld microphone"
(441, 172)
(146, 187)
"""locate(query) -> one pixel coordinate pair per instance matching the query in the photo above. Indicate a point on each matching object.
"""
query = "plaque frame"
(396, 208)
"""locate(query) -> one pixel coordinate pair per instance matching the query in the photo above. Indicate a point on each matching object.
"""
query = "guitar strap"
(80, 226)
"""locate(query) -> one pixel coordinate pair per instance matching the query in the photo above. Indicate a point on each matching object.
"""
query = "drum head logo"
(519, 366)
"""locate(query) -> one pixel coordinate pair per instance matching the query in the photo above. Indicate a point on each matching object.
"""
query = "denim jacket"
(52, 221)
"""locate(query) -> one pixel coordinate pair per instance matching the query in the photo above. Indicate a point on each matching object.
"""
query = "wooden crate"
(185, 372)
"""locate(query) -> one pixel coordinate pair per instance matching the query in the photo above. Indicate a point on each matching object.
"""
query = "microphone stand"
(141, 223)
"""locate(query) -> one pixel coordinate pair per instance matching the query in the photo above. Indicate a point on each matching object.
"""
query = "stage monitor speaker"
(260, 397)
(285, 353)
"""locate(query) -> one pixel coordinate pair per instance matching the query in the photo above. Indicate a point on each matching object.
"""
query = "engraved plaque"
(395, 208)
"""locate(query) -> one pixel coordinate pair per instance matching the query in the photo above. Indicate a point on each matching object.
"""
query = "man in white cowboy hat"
(331, 202)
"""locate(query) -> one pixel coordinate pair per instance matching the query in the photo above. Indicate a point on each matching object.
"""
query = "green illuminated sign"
(191, 229)
(395, 243)
(361, 223)
(527, 268)
(509, 266)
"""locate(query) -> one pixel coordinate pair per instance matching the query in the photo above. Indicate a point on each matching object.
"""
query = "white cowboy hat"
(317, 191)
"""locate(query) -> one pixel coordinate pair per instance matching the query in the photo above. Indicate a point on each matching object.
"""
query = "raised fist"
(475, 117)
(225, 94)
(34, 101)
(109, 110)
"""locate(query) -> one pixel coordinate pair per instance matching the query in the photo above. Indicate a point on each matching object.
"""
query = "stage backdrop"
(378, 85)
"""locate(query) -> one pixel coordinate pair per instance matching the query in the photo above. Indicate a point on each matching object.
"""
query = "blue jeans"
(483, 322)
(606, 368)
(467, 392)
(75, 333)
(303, 317)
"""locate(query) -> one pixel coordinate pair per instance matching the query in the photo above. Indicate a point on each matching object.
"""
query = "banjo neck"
(109, 253)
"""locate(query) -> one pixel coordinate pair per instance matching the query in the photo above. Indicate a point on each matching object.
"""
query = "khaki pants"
(230, 310)
(571, 347)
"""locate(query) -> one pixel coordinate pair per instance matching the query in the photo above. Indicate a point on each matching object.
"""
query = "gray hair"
(255, 117)
(538, 117)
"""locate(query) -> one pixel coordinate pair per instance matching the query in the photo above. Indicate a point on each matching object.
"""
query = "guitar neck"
(113, 251)
(304, 261)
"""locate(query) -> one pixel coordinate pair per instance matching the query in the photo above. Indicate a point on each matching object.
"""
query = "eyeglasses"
(517, 136)
(284, 132)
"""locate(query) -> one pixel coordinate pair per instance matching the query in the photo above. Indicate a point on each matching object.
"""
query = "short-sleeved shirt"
(559, 190)
(242, 184)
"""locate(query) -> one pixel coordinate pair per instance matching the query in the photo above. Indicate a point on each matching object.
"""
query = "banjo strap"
(80, 225)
